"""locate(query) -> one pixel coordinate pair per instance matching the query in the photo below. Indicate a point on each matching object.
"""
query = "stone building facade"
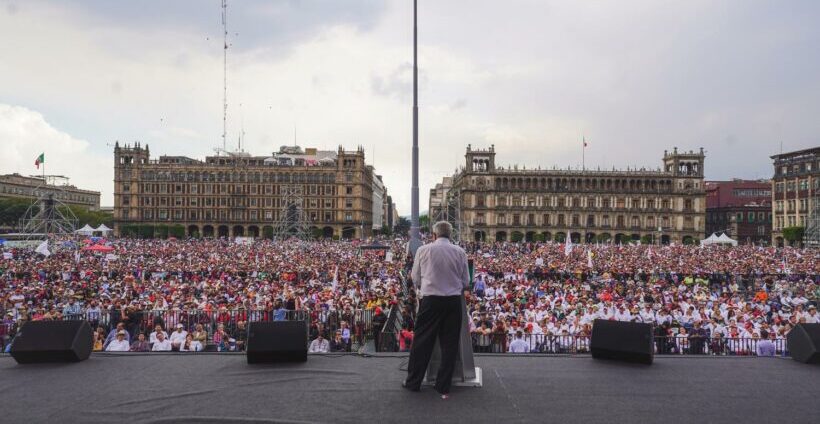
(588, 206)
(236, 194)
(22, 187)
(796, 195)
(740, 208)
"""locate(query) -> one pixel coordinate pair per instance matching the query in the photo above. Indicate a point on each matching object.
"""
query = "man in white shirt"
(119, 344)
(319, 345)
(519, 345)
(162, 344)
(178, 337)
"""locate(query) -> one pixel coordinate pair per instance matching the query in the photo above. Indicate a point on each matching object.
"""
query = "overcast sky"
(531, 76)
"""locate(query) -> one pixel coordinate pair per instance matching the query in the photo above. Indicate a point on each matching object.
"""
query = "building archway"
(479, 236)
(665, 239)
(779, 241)
(589, 238)
(635, 237)
(604, 237)
(253, 231)
(348, 233)
(238, 231)
(547, 236)
(575, 237)
(223, 231)
(688, 240)
(267, 232)
(327, 232)
(500, 236)
(529, 236)
(560, 237)
(193, 231)
(516, 236)
(620, 238)
(208, 231)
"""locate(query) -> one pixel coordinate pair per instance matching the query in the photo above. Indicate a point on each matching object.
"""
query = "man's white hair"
(443, 229)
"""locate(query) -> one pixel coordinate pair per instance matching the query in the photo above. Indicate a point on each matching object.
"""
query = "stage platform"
(222, 388)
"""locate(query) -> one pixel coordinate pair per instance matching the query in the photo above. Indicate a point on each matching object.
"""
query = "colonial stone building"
(18, 186)
(740, 208)
(657, 206)
(796, 195)
(236, 194)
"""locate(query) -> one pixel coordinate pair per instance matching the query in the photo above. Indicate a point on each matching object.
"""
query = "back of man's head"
(443, 229)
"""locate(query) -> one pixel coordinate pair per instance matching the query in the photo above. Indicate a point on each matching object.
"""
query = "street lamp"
(415, 236)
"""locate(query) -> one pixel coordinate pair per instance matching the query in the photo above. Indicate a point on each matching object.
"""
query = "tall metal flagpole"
(415, 236)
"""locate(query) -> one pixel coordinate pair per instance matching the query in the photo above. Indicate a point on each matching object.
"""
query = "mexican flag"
(40, 159)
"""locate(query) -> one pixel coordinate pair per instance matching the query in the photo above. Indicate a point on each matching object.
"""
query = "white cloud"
(25, 133)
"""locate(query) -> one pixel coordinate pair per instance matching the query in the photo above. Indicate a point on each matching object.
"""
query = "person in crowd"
(178, 337)
(319, 345)
(405, 338)
(161, 344)
(190, 345)
(226, 344)
(99, 339)
(241, 336)
(338, 343)
(119, 344)
(199, 334)
(153, 337)
(112, 335)
(141, 345)
(519, 345)
(765, 347)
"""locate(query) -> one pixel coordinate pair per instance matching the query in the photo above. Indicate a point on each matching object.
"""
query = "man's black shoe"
(406, 387)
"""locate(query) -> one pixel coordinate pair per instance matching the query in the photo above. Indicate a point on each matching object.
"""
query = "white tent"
(103, 229)
(87, 230)
(714, 239)
(724, 239)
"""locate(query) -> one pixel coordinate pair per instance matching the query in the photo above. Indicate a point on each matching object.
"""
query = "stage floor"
(195, 388)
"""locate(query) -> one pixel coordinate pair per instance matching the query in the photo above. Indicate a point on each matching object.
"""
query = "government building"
(490, 203)
(796, 197)
(320, 193)
(16, 186)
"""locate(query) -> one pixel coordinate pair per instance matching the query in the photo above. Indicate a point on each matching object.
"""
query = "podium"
(466, 373)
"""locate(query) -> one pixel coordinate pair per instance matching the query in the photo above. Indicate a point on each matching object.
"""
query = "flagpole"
(583, 153)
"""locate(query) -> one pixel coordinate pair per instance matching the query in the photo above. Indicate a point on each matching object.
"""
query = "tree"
(794, 235)
(402, 227)
(647, 239)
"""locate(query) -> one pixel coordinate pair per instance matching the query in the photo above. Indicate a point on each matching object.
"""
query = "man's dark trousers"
(439, 317)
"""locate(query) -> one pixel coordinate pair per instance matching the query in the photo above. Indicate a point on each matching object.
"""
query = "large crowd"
(190, 295)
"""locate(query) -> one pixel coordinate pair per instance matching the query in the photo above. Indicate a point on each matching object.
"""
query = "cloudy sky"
(533, 77)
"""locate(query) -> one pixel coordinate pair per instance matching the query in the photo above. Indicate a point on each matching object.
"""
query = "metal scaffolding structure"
(811, 238)
(292, 221)
(450, 211)
(48, 215)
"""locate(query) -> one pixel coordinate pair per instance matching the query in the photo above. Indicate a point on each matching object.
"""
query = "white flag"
(43, 249)
(589, 258)
(568, 246)
(335, 277)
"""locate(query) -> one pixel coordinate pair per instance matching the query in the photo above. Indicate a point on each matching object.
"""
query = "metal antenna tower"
(224, 74)
(48, 215)
(292, 220)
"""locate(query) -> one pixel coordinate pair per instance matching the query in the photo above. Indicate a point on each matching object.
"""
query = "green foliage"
(516, 236)
(11, 210)
(539, 237)
(267, 232)
(647, 239)
(177, 231)
(688, 241)
(92, 218)
(603, 238)
(316, 233)
(402, 227)
(560, 237)
(794, 234)
(386, 230)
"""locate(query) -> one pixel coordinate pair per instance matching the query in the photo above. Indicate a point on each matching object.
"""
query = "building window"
(501, 220)
(348, 203)
(348, 216)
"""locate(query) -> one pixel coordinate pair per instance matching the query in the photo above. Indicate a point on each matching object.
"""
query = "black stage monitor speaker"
(278, 341)
(624, 341)
(803, 343)
(52, 341)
